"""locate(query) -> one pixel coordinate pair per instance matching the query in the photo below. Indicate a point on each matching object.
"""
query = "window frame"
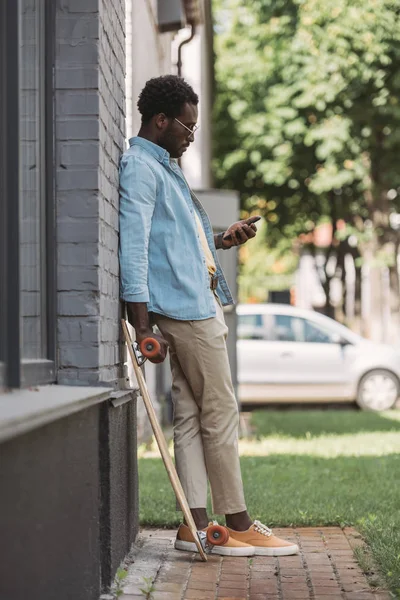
(3, 214)
(19, 372)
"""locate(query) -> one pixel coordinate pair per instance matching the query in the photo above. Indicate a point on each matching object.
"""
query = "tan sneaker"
(264, 541)
(184, 541)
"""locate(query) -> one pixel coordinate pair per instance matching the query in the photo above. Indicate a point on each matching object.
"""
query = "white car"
(287, 354)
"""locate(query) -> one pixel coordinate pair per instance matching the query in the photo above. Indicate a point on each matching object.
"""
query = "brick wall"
(90, 123)
(112, 143)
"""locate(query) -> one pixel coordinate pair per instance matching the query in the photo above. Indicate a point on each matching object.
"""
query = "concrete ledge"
(24, 410)
(121, 397)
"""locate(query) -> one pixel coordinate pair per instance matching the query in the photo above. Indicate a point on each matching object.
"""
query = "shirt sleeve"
(138, 190)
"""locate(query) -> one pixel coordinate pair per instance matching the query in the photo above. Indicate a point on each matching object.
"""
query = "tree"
(307, 115)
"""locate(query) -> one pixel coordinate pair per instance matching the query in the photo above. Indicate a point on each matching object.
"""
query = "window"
(287, 329)
(3, 215)
(32, 182)
(27, 333)
(250, 327)
(317, 333)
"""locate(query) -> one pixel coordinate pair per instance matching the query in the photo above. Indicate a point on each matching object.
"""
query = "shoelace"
(263, 529)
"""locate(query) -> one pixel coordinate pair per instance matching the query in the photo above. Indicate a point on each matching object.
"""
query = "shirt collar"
(159, 153)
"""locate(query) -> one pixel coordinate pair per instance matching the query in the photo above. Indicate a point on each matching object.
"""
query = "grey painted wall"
(90, 132)
(68, 506)
(119, 485)
(49, 511)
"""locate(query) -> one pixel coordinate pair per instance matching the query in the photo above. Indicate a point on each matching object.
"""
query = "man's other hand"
(239, 233)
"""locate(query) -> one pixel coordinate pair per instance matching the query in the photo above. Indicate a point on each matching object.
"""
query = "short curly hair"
(166, 94)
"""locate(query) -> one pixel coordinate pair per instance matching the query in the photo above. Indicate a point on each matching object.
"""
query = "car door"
(250, 348)
(321, 359)
(283, 334)
(307, 355)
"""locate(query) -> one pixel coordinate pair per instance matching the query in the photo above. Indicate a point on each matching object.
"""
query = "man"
(170, 277)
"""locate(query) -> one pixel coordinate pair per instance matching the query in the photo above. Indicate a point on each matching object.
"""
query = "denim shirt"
(162, 262)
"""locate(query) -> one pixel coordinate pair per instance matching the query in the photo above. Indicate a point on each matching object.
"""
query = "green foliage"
(307, 111)
(265, 271)
(148, 588)
(119, 582)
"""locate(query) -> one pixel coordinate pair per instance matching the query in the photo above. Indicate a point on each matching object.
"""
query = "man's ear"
(161, 121)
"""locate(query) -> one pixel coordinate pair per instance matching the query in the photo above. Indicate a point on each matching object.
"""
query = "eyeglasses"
(191, 131)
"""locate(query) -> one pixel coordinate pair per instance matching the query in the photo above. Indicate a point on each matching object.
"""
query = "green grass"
(311, 468)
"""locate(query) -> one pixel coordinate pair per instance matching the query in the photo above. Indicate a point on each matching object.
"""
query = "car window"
(317, 333)
(282, 328)
(250, 327)
(285, 328)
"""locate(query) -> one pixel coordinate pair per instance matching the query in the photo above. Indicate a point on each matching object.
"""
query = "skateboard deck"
(162, 444)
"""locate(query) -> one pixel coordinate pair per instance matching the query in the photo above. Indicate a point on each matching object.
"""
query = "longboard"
(161, 441)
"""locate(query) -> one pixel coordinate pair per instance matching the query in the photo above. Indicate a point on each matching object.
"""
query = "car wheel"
(378, 390)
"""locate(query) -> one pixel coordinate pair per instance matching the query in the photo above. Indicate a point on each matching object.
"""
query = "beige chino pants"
(206, 415)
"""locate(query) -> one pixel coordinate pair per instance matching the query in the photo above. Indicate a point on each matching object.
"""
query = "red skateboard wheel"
(150, 347)
(217, 535)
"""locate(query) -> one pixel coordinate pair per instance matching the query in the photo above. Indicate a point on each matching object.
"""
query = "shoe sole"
(220, 550)
(284, 551)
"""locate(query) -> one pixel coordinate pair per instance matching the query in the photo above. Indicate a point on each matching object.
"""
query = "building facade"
(70, 73)
(69, 507)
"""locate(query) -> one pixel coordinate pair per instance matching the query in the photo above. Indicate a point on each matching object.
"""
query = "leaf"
(121, 574)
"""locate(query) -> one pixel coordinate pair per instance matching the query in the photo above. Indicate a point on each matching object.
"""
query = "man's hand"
(240, 232)
(160, 357)
(138, 317)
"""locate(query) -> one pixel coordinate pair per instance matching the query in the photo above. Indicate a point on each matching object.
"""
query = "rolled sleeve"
(138, 190)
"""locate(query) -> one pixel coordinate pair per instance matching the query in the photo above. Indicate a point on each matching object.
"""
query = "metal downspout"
(189, 39)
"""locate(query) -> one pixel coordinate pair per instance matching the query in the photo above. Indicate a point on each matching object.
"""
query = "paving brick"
(239, 586)
(201, 585)
(172, 578)
(354, 586)
(261, 578)
(199, 569)
(223, 595)
(328, 580)
(204, 594)
(291, 572)
(360, 596)
(263, 568)
(296, 595)
(320, 590)
(296, 579)
(165, 586)
(231, 568)
(263, 575)
(266, 587)
(293, 585)
(211, 576)
(235, 577)
(328, 594)
(315, 570)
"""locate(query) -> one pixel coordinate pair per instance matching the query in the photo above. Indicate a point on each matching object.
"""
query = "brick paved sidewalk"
(325, 568)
